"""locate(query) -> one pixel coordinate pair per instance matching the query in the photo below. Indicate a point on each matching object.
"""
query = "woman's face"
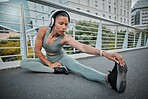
(61, 24)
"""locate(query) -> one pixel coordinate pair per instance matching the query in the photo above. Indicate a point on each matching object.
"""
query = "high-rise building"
(117, 10)
(139, 15)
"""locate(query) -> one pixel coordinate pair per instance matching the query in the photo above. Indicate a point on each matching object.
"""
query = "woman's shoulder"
(43, 29)
(67, 37)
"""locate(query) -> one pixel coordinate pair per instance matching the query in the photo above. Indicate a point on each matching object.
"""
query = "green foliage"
(84, 31)
(10, 51)
(70, 32)
(13, 50)
(86, 23)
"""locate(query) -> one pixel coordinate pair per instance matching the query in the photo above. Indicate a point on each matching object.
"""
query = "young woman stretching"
(53, 37)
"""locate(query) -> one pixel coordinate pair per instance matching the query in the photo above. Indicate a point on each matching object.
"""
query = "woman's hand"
(114, 57)
(56, 64)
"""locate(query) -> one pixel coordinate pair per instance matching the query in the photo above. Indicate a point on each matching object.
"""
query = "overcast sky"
(133, 2)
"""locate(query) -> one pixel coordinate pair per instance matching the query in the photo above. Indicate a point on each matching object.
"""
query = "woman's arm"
(39, 44)
(82, 47)
(91, 50)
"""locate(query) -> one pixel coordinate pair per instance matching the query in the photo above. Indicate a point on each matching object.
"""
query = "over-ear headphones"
(52, 16)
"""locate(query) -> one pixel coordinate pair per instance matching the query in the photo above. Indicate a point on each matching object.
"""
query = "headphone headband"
(52, 16)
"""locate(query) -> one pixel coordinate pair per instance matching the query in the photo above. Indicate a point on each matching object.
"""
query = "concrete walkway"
(22, 84)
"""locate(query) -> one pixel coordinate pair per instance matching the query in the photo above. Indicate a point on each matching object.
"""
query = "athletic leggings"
(36, 65)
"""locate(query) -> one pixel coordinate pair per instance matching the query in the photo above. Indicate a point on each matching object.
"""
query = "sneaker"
(117, 78)
(61, 70)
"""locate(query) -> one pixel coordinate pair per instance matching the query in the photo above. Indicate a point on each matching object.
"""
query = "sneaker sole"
(121, 78)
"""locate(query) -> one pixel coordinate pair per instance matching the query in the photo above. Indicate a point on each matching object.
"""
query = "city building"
(117, 10)
(139, 15)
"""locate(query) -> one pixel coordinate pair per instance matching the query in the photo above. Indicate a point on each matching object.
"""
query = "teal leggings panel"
(35, 64)
(86, 71)
(72, 64)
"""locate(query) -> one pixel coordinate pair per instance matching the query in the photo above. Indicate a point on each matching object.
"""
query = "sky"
(133, 2)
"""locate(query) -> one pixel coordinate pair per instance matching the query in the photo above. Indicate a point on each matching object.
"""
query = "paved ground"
(22, 84)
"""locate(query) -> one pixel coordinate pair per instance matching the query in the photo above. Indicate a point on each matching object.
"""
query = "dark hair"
(62, 13)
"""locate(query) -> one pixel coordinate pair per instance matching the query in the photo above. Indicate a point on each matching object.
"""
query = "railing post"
(99, 36)
(145, 39)
(134, 39)
(116, 37)
(74, 33)
(146, 42)
(125, 43)
(23, 37)
(139, 40)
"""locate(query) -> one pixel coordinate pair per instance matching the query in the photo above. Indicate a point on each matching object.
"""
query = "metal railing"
(96, 31)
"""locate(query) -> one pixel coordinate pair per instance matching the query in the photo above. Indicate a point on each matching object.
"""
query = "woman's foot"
(117, 78)
(61, 70)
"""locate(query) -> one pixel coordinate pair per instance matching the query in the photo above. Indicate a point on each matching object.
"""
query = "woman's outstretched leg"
(35, 64)
(85, 71)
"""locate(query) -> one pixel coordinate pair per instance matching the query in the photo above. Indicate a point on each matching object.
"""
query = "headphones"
(52, 16)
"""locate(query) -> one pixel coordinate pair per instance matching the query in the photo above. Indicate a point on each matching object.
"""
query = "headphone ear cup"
(51, 22)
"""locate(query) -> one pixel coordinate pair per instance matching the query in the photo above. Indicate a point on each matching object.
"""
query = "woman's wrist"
(49, 64)
(102, 53)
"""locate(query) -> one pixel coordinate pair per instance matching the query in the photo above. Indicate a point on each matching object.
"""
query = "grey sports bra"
(52, 48)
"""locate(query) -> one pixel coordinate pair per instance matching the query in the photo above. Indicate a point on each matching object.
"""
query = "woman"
(53, 37)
